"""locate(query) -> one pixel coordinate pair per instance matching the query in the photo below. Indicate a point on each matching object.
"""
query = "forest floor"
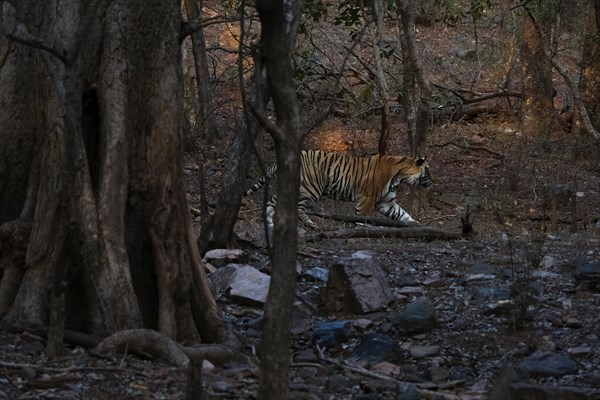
(508, 182)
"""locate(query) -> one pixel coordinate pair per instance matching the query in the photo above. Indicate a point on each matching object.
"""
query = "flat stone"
(544, 364)
(424, 351)
(249, 285)
(579, 351)
(411, 290)
(573, 322)
(433, 281)
(220, 257)
(362, 323)
(479, 277)
(386, 368)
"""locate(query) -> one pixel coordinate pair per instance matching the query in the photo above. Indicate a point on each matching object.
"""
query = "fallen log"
(359, 219)
(417, 232)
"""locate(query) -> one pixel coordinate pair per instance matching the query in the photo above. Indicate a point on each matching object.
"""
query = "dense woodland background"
(130, 130)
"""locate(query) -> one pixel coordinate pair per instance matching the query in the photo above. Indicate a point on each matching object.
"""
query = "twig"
(6, 364)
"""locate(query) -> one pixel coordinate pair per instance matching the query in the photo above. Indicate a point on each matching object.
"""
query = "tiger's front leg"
(390, 208)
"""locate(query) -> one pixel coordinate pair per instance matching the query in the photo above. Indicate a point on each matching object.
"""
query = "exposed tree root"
(145, 342)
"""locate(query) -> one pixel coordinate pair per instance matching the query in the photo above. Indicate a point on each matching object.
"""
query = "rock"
(220, 280)
(588, 275)
(220, 257)
(579, 351)
(249, 285)
(337, 383)
(459, 373)
(546, 344)
(407, 290)
(479, 277)
(332, 333)
(573, 322)
(544, 364)
(481, 269)
(318, 274)
(548, 262)
(406, 280)
(424, 351)
(363, 254)
(377, 389)
(438, 374)
(377, 348)
(306, 356)
(418, 317)
(386, 368)
(433, 281)
(490, 293)
(501, 388)
(526, 391)
(357, 285)
(362, 323)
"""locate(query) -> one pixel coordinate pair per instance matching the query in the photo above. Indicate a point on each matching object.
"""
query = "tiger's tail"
(261, 182)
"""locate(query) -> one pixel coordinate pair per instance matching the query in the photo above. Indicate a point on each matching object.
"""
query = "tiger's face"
(415, 173)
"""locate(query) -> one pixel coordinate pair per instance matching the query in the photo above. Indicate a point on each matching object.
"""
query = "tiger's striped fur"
(370, 182)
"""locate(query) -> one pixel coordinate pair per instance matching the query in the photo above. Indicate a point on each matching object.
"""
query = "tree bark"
(279, 25)
(537, 107)
(217, 229)
(416, 91)
(589, 81)
(205, 120)
(109, 215)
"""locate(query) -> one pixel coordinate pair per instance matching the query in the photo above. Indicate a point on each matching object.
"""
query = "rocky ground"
(516, 299)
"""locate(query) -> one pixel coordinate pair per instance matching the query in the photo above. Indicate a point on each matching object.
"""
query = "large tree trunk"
(116, 238)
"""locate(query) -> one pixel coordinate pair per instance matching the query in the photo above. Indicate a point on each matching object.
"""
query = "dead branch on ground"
(467, 146)
(421, 232)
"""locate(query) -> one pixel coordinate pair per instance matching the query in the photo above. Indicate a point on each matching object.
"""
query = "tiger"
(370, 182)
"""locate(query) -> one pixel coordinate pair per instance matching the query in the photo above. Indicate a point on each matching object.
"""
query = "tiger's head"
(413, 171)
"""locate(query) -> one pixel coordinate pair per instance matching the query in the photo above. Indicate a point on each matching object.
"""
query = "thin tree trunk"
(416, 91)
(279, 27)
(205, 120)
(589, 81)
(537, 108)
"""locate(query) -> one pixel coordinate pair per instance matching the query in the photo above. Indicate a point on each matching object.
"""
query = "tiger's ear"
(421, 160)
